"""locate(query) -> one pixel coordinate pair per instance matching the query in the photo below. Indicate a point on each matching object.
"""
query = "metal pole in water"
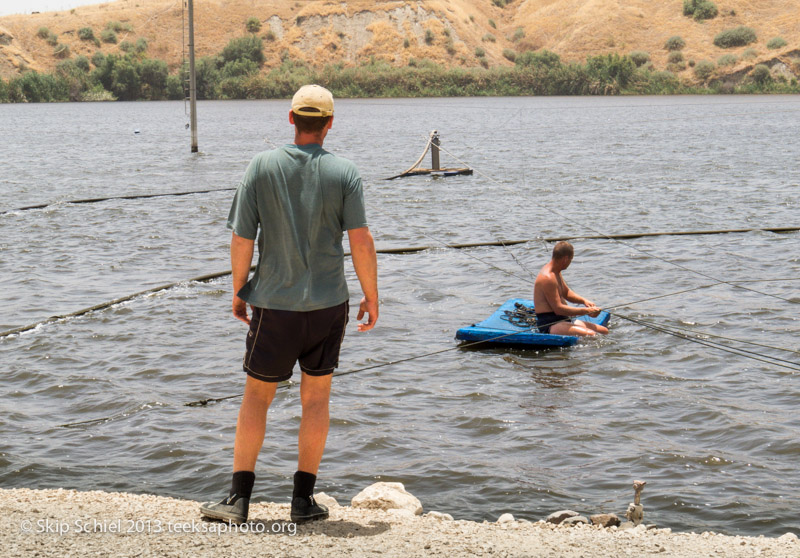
(435, 151)
(192, 79)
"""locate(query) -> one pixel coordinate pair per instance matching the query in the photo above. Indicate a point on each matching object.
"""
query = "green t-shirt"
(303, 199)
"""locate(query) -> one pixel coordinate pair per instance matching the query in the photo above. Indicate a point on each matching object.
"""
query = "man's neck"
(308, 139)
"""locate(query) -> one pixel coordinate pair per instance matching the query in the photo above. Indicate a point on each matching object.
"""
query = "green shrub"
(492, 24)
(449, 47)
(675, 56)
(108, 36)
(141, 45)
(126, 46)
(479, 52)
(126, 83)
(249, 47)
(118, 27)
(236, 68)
(484, 62)
(253, 25)
(3, 91)
(760, 74)
(704, 69)
(43, 33)
(153, 77)
(776, 42)
(61, 51)
(700, 9)
(519, 34)
(270, 35)
(640, 57)
(52, 39)
(82, 63)
(174, 88)
(705, 10)
(86, 34)
(429, 37)
(749, 54)
(472, 18)
(542, 58)
(488, 37)
(727, 60)
(75, 75)
(207, 77)
(691, 63)
(676, 67)
(675, 43)
(739, 36)
(500, 3)
(611, 69)
(406, 43)
(33, 87)
(509, 54)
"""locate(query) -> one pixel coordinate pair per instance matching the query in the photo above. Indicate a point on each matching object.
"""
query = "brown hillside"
(446, 31)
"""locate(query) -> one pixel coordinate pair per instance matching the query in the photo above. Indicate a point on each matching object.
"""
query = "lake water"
(475, 433)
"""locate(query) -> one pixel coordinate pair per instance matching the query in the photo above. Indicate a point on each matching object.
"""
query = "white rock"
(506, 518)
(788, 537)
(325, 500)
(387, 496)
(440, 515)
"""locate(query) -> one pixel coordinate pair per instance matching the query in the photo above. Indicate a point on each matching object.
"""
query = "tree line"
(236, 73)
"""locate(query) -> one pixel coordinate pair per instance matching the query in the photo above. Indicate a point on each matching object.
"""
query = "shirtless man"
(551, 294)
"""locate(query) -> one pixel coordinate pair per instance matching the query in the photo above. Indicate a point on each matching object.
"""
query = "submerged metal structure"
(433, 146)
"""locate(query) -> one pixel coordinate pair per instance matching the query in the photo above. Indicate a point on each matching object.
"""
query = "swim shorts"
(547, 319)
(279, 338)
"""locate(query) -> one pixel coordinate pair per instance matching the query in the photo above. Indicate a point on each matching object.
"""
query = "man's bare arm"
(365, 262)
(241, 260)
(572, 296)
(551, 293)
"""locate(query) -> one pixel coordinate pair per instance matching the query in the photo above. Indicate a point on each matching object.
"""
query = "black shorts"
(279, 338)
(546, 319)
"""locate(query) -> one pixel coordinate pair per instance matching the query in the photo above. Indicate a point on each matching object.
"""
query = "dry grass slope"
(445, 31)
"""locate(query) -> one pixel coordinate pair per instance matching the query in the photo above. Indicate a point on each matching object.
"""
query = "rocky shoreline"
(65, 523)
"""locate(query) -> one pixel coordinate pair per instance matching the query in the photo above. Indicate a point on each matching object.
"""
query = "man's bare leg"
(571, 328)
(315, 392)
(594, 327)
(252, 423)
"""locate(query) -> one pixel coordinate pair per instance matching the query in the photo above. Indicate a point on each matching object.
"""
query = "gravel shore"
(68, 523)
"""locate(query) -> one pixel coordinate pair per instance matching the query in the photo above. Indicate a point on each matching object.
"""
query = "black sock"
(303, 484)
(242, 484)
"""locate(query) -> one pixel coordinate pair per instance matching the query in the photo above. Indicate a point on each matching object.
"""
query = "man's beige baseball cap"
(312, 97)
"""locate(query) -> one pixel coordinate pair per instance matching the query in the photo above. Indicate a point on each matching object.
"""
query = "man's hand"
(369, 307)
(593, 311)
(240, 309)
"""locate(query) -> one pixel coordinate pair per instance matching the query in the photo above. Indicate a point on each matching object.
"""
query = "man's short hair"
(561, 249)
(310, 124)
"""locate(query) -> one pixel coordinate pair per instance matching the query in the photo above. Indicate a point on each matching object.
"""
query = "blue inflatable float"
(514, 324)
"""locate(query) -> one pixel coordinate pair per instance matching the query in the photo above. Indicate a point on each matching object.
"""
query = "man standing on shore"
(551, 294)
(302, 198)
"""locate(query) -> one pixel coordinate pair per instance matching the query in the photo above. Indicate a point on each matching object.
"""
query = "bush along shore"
(383, 519)
(238, 73)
